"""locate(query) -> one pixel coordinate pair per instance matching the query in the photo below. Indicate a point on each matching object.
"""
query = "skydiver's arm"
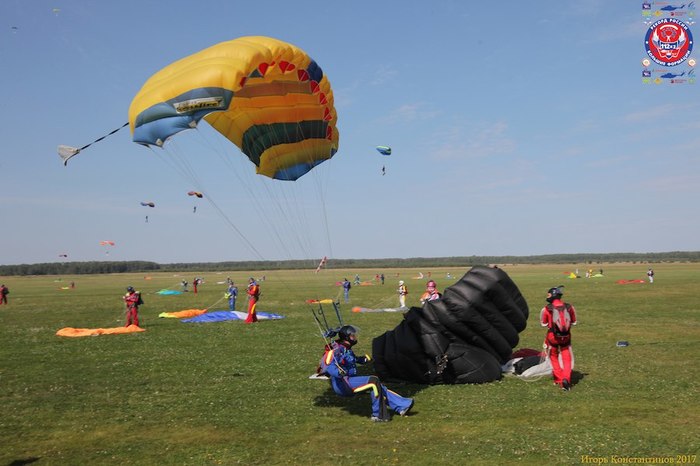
(572, 313)
(364, 359)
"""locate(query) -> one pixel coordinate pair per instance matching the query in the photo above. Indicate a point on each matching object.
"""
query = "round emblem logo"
(668, 42)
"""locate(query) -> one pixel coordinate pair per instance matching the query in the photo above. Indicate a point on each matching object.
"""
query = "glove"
(364, 359)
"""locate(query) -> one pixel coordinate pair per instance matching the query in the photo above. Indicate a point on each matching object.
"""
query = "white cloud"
(485, 141)
(411, 112)
(671, 184)
(382, 75)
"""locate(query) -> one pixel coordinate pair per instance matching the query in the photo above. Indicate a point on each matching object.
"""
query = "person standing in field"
(231, 294)
(132, 299)
(650, 274)
(403, 291)
(346, 289)
(558, 317)
(431, 292)
(4, 291)
(253, 292)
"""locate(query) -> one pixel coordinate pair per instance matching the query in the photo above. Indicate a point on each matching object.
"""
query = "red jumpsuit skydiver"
(131, 299)
(253, 292)
(557, 343)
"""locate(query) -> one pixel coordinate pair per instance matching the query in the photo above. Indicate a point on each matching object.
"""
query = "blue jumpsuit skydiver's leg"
(397, 402)
(381, 396)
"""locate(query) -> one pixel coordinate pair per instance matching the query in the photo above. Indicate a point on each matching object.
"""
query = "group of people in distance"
(132, 300)
(339, 361)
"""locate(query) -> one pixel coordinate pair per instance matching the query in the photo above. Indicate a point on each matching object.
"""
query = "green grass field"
(230, 393)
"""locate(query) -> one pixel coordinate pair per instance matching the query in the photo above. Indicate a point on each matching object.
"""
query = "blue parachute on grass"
(221, 316)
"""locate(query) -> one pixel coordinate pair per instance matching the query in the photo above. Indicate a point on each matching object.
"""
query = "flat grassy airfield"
(231, 393)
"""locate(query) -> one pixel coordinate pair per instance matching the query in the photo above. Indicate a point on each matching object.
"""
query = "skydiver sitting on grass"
(339, 363)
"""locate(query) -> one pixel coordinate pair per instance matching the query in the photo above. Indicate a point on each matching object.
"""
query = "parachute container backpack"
(464, 337)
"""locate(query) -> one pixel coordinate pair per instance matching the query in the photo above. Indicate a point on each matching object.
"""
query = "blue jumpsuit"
(232, 293)
(339, 363)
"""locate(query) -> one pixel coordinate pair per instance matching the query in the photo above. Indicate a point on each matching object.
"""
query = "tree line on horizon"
(104, 267)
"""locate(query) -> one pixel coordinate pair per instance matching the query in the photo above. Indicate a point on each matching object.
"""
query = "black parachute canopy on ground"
(464, 337)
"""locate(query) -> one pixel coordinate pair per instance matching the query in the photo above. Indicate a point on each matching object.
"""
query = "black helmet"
(348, 333)
(129, 288)
(554, 293)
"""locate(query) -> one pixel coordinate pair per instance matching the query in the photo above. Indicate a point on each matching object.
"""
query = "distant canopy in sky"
(266, 96)
(384, 150)
(148, 204)
(195, 193)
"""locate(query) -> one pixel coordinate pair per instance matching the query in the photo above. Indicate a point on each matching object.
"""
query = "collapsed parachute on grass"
(73, 332)
(222, 316)
(266, 96)
(464, 337)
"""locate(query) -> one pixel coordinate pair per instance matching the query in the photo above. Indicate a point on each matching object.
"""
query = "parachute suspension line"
(326, 329)
(323, 331)
(320, 177)
(382, 303)
(180, 163)
(230, 160)
(336, 306)
(324, 213)
(285, 214)
(185, 170)
(67, 152)
(217, 302)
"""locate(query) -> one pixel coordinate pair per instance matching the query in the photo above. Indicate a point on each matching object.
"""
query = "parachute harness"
(327, 333)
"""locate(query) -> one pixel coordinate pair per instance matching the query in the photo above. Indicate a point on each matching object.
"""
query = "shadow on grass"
(576, 377)
(361, 404)
(23, 461)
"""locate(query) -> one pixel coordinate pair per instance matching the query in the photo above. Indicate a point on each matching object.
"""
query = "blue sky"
(517, 128)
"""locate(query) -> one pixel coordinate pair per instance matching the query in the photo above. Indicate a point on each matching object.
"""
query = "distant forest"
(87, 268)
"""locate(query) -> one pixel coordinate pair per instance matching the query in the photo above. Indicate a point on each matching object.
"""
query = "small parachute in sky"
(195, 193)
(384, 150)
(464, 337)
(148, 204)
(322, 264)
(107, 244)
(63, 255)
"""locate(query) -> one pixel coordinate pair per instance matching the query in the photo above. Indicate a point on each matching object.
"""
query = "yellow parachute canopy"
(266, 96)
